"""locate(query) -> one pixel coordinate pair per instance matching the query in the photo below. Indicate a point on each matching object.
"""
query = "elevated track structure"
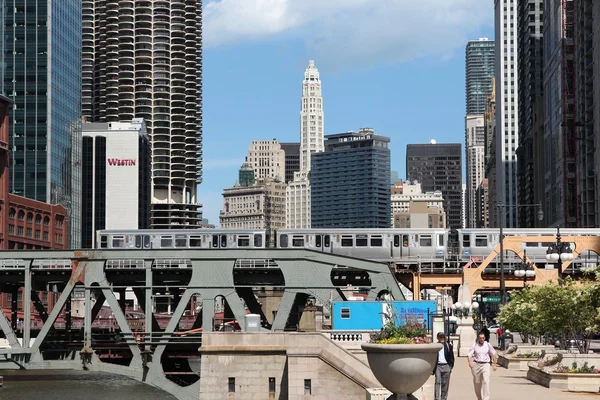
(163, 356)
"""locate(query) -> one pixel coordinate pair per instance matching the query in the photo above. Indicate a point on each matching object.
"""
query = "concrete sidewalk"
(506, 385)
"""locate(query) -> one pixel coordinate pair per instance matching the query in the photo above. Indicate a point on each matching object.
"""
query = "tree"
(568, 310)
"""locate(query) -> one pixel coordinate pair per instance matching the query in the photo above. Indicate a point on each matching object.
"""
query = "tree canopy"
(568, 309)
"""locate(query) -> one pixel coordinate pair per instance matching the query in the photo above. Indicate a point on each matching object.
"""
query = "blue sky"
(393, 65)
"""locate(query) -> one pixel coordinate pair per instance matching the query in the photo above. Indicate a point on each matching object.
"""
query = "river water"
(75, 385)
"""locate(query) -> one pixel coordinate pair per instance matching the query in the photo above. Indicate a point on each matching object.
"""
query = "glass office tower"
(40, 71)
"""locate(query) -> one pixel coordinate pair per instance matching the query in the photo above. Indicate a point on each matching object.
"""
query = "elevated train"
(425, 247)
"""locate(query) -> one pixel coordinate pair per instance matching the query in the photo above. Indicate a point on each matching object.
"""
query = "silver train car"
(401, 246)
(181, 239)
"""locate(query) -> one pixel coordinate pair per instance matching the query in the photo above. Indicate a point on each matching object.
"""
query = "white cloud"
(351, 30)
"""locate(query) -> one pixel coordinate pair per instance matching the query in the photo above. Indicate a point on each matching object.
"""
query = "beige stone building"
(267, 159)
(258, 206)
(411, 208)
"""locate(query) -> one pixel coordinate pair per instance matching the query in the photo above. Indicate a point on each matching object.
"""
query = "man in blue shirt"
(443, 368)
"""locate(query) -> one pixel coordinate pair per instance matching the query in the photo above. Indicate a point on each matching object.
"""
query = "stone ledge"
(255, 350)
(571, 382)
(515, 363)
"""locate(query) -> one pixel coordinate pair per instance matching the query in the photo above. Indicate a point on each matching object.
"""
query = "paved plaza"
(506, 385)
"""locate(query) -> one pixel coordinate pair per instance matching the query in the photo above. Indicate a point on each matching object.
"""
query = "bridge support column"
(148, 304)
(27, 307)
(13, 308)
(416, 286)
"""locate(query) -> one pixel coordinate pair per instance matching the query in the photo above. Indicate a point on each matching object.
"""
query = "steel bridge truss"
(191, 274)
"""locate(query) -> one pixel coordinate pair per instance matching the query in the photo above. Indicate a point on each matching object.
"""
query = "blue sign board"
(372, 315)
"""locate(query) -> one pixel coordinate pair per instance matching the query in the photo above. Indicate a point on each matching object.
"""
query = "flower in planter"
(412, 332)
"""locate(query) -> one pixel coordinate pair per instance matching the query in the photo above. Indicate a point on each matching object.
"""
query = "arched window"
(46, 221)
(11, 213)
(38, 219)
(21, 216)
(29, 217)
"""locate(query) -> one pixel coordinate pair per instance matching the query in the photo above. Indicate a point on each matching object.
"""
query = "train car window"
(118, 242)
(376, 241)
(396, 240)
(223, 241)
(425, 241)
(138, 241)
(215, 241)
(466, 240)
(195, 241)
(532, 244)
(481, 241)
(347, 241)
(243, 241)
(180, 241)
(258, 240)
(283, 241)
(297, 241)
(103, 241)
(318, 239)
(147, 243)
(404, 240)
(362, 241)
(326, 241)
(166, 242)
(440, 239)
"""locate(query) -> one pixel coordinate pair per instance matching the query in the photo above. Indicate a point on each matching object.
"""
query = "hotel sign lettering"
(121, 162)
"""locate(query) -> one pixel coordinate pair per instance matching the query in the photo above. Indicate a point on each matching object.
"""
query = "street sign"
(491, 299)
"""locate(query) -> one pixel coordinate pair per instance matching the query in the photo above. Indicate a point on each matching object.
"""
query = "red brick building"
(25, 223)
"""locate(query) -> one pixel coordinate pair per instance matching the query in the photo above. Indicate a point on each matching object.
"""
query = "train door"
(323, 243)
(401, 243)
(219, 241)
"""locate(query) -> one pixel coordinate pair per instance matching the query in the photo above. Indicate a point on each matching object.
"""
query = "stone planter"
(402, 368)
(515, 363)
(576, 382)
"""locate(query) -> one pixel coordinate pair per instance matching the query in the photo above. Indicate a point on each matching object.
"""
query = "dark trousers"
(442, 381)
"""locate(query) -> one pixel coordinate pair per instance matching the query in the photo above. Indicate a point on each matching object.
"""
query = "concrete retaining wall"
(295, 360)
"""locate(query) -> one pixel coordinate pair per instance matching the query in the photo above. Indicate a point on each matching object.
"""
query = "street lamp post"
(501, 211)
(526, 270)
(559, 252)
(466, 309)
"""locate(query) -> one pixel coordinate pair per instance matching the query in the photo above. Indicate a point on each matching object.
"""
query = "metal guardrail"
(253, 263)
(172, 263)
(51, 264)
(12, 264)
(125, 264)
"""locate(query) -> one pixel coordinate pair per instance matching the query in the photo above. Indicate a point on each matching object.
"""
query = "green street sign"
(491, 299)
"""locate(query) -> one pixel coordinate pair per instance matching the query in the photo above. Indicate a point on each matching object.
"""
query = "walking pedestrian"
(480, 356)
(443, 368)
(499, 333)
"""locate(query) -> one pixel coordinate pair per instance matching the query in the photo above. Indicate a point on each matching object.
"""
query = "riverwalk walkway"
(506, 385)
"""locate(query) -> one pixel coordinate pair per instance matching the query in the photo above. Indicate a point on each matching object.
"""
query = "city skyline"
(263, 95)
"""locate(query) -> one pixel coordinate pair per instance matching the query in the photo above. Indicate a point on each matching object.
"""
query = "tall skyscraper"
(587, 67)
(40, 70)
(144, 60)
(311, 117)
(438, 166)
(507, 117)
(350, 182)
(298, 203)
(475, 159)
(480, 68)
(531, 92)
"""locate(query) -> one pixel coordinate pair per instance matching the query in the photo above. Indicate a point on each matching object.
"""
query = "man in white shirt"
(480, 356)
(443, 368)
